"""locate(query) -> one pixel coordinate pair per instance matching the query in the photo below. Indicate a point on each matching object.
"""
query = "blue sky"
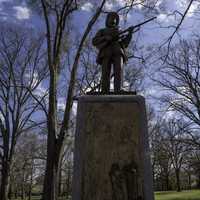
(155, 33)
(18, 12)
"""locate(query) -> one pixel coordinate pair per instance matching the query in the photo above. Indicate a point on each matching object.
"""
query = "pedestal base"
(112, 160)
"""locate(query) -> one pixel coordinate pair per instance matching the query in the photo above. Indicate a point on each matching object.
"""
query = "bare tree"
(174, 132)
(181, 81)
(56, 14)
(161, 161)
(170, 153)
(23, 172)
(22, 71)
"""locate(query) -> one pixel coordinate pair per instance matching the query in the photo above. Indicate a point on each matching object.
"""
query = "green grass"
(184, 195)
(170, 195)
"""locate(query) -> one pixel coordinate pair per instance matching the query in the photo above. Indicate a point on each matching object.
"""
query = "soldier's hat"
(112, 14)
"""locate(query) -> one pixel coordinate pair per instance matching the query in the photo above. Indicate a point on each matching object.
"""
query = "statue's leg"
(106, 69)
(117, 61)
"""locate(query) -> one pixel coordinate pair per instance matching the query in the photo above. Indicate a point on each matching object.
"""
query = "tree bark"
(60, 184)
(51, 181)
(68, 183)
(10, 191)
(167, 182)
(198, 181)
(56, 138)
(4, 181)
(31, 182)
(22, 192)
(178, 185)
(52, 164)
(189, 181)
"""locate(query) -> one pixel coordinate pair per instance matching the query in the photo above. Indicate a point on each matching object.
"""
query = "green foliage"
(184, 195)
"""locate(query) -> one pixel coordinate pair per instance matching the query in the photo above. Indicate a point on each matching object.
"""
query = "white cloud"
(2, 117)
(40, 91)
(193, 8)
(162, 17)
(31, 78)
(22, 12)
(74, 108)
(87, 7)
(159, 2)
(170, 114)
(126, 84)
(139, 6)
(127, 17)
(165, 18)
(61, 104)
(182, 5)
(109, 6)
(121, 2)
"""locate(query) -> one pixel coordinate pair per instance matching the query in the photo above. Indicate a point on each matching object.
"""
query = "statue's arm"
(98, 39)
(126, 40)
(101, 39)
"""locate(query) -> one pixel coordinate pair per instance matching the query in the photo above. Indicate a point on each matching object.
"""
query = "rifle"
(120, 34)
(131, 28)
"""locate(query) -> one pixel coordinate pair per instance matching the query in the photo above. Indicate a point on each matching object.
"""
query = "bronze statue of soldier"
(111, 52)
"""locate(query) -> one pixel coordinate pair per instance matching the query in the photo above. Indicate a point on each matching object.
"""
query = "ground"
(170, 195)
(184, 195)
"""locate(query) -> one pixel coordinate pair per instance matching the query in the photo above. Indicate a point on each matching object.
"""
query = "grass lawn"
(184, 195)
(169, 195)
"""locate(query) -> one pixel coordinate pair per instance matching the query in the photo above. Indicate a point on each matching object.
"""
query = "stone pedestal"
(112, 160)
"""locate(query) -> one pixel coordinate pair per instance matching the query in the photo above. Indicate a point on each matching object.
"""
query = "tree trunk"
(60, 184)
(16, 194)
(50, 190)
(68, 183)
(189, 181)
(4, 181)
(31, 182)
(178, 185)
(22, 191)
(10, 191)
(50, 173)
(167, 182)
(198, 181)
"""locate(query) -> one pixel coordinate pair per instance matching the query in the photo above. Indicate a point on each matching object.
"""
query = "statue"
(111, 51)
(112, 44)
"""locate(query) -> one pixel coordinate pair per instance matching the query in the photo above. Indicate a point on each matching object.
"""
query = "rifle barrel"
(138, 25)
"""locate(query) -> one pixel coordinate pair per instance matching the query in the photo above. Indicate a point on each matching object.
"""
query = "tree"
(22, 70)
(56, 13)
(180, 77)
(174, 133)
(170, 153)
(23, 172)
(161, 161)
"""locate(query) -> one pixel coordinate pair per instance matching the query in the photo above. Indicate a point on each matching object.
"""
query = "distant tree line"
(175, 141)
